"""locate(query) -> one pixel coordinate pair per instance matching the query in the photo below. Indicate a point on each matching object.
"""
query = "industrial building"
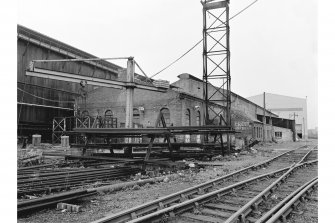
(43, 103)
(182, 105)
(286, 107)
(39, 100)
(130, 148)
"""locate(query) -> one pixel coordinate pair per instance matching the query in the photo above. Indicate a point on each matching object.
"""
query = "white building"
(286, 107)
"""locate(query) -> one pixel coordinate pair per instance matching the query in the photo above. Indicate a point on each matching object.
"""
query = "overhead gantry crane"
(129, 84)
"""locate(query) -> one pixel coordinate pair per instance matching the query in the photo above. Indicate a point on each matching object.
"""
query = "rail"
(280, 205)
(253, 204)
(164, 201)
(283, 212)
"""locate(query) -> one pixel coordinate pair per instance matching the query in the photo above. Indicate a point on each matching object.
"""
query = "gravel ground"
(309, 211)
(98, 206)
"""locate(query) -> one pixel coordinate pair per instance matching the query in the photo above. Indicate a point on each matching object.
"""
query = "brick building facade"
(182, 105)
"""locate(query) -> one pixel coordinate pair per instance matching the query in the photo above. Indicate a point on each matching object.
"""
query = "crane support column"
(130, 92)
(216, 64)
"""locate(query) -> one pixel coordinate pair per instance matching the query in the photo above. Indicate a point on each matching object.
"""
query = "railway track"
(192, 197)
(46, 182)
(290, 205)
(24, 207)
(269, 197)
(307, 211)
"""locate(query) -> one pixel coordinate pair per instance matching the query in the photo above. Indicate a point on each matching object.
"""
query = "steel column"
(216, 63)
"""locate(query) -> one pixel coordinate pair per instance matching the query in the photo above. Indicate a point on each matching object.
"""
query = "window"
(278, 135)
(187, 123)
(108, 119)
(188, 117)
(258, 133)
(136, 116)
(109, 113)
(166, 115)
(198, 121)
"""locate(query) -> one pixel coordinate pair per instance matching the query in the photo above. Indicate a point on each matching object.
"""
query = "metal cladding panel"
(32, 90)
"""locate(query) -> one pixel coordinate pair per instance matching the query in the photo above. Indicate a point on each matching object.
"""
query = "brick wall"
(103, 99)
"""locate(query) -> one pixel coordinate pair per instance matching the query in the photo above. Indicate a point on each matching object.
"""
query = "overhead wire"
(177, 59)
(188, 51)
(248, 6)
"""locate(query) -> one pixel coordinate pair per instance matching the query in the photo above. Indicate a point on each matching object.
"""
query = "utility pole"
(293, 127)
(264, 118)
(271, 125)
(305, 125)
(294, 115)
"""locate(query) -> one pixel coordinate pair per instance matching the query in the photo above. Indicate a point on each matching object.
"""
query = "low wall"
(282, 134)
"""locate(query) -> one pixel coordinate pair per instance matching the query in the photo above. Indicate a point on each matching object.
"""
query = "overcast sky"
(273, 43)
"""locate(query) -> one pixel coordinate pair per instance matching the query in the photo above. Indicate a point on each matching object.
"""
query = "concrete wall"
(287, 134)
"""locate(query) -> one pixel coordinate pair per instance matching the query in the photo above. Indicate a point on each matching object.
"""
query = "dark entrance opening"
(300, 135)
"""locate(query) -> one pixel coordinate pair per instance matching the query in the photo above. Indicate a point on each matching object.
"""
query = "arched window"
(198, 121)
(187, 123)
(188, 117)
(136, 116)
(108, 122)
(108, 113)
(166, 115)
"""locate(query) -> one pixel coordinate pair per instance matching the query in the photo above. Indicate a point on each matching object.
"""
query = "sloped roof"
(241, 116)
(53, 42)
(139, 79)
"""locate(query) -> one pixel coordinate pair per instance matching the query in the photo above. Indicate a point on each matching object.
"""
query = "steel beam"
(155, 131)
(75, 78)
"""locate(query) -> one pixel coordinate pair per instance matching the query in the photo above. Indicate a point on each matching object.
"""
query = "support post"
(130, 95)
(152, 137)
(264, 119)
(205, 80)
(216, 62)
(130, 92)
(271, 125)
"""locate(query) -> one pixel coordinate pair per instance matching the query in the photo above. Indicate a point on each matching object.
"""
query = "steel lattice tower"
(216, 63)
